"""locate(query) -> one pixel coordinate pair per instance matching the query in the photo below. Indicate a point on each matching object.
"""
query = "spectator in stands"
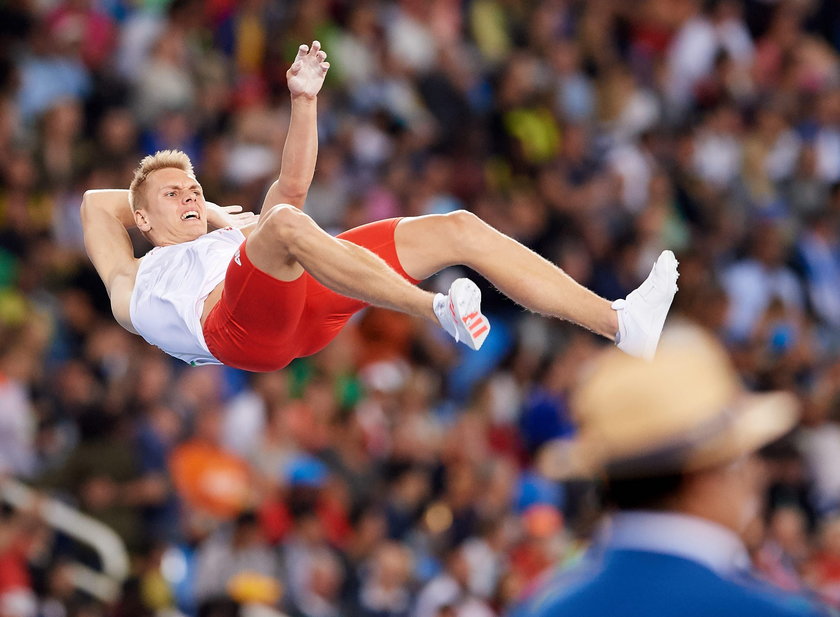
(232, 558)
(386, 588)
(450, 590)
(754, 282)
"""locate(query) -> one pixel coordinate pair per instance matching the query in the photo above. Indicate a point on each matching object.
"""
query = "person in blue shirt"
(674, 441)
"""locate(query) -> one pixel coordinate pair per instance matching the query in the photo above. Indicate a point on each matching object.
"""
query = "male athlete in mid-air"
(260, 291)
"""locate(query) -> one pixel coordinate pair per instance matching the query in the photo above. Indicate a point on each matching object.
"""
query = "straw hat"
(682, 411)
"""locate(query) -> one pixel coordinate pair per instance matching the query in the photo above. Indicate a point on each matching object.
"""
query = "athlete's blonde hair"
(162, 159)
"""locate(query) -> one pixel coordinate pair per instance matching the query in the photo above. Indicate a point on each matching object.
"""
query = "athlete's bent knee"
(464, 227)
(463, 219)
(286, 224)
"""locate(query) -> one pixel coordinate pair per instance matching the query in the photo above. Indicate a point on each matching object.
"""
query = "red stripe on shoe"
(477, 324)
(466, 318)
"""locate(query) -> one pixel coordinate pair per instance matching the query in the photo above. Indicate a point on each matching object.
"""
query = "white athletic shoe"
(459, 313)
(642, 314)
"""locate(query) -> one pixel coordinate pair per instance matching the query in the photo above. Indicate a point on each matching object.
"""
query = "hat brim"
(757, 420)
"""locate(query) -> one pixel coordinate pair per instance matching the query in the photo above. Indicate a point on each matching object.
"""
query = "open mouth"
(190, 215)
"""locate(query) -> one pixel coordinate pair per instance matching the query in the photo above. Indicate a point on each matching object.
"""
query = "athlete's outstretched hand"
(306, 75)
(229, 216)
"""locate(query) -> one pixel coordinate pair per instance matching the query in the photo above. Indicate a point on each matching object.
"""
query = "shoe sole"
(669, 262)
(667, 275)
(465, 306)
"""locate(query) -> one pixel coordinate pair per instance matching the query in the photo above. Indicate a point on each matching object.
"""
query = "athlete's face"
(174, 210)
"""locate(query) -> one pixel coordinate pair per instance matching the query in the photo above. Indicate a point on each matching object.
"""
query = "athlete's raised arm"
(304, 78)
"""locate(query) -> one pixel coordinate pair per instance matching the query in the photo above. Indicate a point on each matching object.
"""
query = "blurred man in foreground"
(675, 441)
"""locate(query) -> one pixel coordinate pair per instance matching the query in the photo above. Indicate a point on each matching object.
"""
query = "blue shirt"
(667, 565)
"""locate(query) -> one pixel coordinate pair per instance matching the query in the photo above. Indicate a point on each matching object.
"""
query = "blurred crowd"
(393, 475)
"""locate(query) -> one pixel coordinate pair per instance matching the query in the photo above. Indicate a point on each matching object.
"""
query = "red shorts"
(261, 324)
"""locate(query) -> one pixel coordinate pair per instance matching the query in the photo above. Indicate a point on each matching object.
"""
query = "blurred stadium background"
(392, 475)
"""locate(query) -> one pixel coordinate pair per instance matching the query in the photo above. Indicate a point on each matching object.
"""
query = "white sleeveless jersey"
(171, 286)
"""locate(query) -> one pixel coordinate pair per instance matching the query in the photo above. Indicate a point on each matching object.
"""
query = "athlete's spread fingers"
(295, 68)
(325, 66)
(316, 46)
(232, 209)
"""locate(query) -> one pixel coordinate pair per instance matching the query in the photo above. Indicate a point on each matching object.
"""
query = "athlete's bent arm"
(106, 215)
(305, 78)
